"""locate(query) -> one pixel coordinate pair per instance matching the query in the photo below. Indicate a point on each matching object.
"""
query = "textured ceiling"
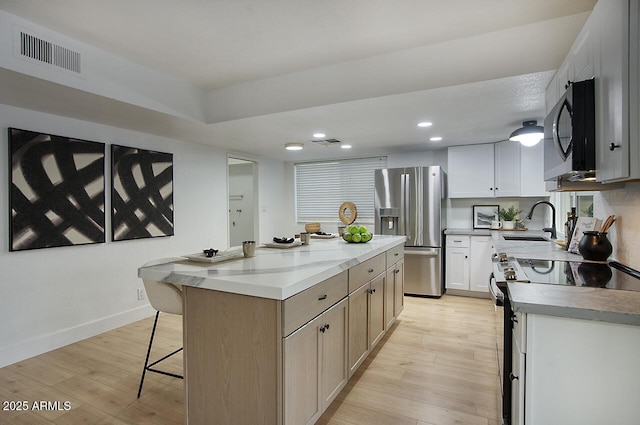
(221, 46)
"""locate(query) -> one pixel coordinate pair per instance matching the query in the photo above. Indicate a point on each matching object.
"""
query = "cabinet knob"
(371, 291)
(370, 270)
(326, 327)
(323, 328)
(613, 146)
(514, 319)
(396, 271)
(512, 377)
(490, 188)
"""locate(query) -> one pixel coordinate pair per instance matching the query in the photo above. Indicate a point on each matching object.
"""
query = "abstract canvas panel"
(57, 191)
(142, 193)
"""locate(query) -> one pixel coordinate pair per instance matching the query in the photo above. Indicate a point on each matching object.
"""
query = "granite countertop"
(609, 305)
(606, 305)
(273, 273)
(471, 232)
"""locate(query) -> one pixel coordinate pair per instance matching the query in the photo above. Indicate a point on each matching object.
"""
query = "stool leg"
(146, 361)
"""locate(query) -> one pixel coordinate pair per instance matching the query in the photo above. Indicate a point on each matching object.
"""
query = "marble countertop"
(273, 273)
(471, 232)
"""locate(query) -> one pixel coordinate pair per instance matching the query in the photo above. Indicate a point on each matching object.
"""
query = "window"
(321, 187)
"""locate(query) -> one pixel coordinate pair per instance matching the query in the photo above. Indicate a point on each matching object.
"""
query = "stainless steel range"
(612, 275)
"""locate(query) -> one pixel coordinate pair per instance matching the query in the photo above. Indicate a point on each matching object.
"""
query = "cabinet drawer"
(461, 241)
(300, 308)
(520, 330)
(394, 255)
(365, 271)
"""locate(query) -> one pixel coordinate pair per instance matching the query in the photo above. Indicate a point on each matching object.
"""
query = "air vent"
(38, 49)
(328, 142)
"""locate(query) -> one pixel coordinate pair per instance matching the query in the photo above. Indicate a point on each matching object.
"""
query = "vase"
(595, 246)
(508, 225)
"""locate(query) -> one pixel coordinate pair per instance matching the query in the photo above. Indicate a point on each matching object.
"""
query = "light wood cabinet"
(358, 327)
(398, 284)
(315, 365)
(394, 292)
(376, 309)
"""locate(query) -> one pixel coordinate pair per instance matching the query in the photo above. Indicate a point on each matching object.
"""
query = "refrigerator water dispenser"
(389, 221)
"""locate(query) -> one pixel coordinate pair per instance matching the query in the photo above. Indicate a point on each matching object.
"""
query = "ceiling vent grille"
(44, 51)
(328, 142)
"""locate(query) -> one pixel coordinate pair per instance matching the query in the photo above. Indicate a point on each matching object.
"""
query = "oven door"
(498, 305)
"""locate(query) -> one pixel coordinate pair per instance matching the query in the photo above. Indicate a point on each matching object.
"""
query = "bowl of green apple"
(357, 234)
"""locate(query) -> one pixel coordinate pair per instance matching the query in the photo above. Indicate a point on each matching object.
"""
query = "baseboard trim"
(49, 342)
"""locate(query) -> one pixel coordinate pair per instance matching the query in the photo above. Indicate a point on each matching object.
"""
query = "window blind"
(321, 187)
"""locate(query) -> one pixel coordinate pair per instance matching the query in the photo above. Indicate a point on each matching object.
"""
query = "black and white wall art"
(483, 215)
(142, 193)
(57, 191)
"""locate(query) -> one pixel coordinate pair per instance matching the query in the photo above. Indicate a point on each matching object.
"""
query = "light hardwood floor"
(437, 367)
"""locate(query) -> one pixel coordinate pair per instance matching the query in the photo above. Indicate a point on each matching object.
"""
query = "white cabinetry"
(468, 262)
(577, 372)
(471, 171)
(608, 48)
(504, 169)
(612, 19)
(457, 262)
(507, 169)
(480, 265)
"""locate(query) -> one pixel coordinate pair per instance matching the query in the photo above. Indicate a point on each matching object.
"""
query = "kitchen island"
(274, 338)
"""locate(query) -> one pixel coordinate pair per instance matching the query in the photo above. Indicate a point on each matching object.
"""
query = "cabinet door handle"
(326, 327)
(371, 291)
(323, 328)
(613, 146)
(324, 297)
(396, 271)
(512, 377)
(370, 270)
(396, 254)
(514, 319)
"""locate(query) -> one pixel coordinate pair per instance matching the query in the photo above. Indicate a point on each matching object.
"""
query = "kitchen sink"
(525, 238)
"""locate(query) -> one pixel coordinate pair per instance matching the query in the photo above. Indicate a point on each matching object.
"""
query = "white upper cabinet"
(471, 172)
(504, 169)
(612, 19)
(608, 48)
(507, 169)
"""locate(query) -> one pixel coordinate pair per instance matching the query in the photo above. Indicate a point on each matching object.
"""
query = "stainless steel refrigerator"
(411, 202)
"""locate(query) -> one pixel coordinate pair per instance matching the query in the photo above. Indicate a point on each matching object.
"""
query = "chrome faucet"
(551, 229)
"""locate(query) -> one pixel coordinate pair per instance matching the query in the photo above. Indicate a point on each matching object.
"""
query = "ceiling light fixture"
(319, 135)
(293, 146)
(436, 139)
(425, 124)
(345, 146)
(529, 134)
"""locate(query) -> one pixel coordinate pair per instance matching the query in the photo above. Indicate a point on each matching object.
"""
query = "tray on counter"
(293, 244)
(329, 236)
(219, 257)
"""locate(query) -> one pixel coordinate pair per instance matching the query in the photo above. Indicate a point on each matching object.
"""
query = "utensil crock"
(595, 246)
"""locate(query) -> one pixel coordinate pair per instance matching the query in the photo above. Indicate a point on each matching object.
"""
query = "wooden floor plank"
(436, 367)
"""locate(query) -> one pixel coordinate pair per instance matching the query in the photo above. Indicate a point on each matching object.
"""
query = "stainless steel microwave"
(570, 135)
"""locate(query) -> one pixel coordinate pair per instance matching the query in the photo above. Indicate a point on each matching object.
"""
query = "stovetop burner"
(599, 275)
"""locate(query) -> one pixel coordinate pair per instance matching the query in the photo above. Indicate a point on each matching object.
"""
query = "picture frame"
(56, 191)
(141, 193)
(483, 215)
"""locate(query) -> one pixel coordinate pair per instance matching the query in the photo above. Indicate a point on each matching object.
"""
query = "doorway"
(243, 217)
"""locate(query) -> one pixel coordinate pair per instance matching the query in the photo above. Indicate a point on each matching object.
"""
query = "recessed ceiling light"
(436, 139)
(319, 135)
(345, 146)
(425, 124)
(293, 146)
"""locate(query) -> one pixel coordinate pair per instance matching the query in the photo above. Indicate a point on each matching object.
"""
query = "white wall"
(625, 233)
(56, 296)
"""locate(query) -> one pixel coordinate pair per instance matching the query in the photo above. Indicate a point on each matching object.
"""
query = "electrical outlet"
(140, 294)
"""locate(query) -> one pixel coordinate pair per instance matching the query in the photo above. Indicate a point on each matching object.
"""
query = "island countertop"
(273, 273)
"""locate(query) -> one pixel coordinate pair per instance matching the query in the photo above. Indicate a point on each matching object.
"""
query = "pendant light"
(529, 134)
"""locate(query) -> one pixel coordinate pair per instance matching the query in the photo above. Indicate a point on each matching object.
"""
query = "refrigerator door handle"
(423, 253)
(406, 203)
